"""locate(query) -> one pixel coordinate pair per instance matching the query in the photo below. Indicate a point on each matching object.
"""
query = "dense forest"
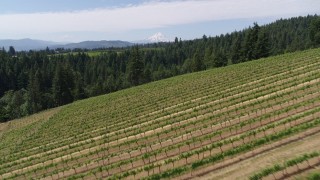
(37, 80)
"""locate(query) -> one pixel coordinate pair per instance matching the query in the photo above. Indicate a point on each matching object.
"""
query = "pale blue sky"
(31, 6)
(78, 20)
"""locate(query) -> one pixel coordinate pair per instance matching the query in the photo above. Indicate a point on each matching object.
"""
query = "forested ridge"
(37, 80)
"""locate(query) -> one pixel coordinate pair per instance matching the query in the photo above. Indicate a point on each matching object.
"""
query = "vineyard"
(254, 120)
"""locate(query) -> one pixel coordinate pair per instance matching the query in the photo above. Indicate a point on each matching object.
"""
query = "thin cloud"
(154, 14)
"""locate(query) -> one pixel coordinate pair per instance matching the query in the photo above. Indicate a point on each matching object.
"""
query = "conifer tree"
(262, 45)
(236, 54)
(135, 67)
(220, 59)
(197, 62)
(34, 88)
(315, 31)
(250, 51)
(208, 58)
(62, 86)
(12, 51)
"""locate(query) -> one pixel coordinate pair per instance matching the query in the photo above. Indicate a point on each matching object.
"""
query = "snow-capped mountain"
(158, 37)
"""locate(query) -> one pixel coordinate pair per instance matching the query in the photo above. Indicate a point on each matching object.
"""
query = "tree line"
(36, 80)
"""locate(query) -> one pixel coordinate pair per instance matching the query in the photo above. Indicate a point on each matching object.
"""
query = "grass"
(94, 53)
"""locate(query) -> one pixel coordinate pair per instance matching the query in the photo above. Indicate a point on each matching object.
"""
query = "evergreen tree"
(220, 59)
(208, 58)
(2, 82)
(18, 102)
(315, 31)
(236, 56)
(186, 67)
(262, 45)
(135, 67)
(147, 75)
(197, 62)
(79, 92)
(3, 112)
(251, 39)
(62, 86)
(34, 92)
(12, 51)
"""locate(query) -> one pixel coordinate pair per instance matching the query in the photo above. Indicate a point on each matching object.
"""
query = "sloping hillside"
(230, 122)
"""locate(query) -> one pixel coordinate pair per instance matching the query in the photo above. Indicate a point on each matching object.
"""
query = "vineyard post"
(220, 134)
(242, 137)
(220, 146)
(134, 174)
(308, 163)
(159, 167)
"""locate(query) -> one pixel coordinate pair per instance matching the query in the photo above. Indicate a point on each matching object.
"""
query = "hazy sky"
(78, 20)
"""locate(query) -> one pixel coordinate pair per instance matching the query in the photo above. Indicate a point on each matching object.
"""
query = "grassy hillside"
(195, 125)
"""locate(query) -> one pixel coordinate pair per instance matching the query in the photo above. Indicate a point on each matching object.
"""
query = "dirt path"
(244, 169)
(294, 170)
(304, 175)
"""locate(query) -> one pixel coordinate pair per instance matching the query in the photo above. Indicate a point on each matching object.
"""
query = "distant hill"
(31, 44)
(94, 44)
(26, 44)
